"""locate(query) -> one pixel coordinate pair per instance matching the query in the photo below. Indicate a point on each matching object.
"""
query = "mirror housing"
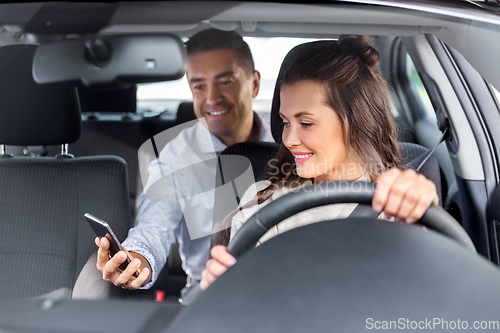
(110, 61)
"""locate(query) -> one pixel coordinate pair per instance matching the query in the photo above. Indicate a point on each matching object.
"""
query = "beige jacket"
(313, 215)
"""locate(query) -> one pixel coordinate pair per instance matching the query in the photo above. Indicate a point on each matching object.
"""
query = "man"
(223, 81)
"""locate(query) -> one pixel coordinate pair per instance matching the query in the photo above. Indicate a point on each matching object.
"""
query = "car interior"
(74, 129)
(58, 248)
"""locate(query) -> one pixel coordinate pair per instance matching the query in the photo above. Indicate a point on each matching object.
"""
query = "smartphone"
(102, 229)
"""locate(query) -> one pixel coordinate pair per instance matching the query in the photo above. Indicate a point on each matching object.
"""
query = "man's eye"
(225, 83)
(198, 87)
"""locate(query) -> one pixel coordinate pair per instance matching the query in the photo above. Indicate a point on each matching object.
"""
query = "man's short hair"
(214, 39)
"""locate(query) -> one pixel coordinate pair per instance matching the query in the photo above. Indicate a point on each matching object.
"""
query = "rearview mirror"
(110, 61)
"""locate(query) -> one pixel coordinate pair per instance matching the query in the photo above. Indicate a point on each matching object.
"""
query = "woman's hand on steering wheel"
(405, 195)
(220, 262)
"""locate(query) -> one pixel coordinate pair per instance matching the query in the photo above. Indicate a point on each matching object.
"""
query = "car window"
(418, 89)
(268, 53)
(497, 94)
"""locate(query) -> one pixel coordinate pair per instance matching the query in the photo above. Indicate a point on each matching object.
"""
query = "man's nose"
(213, 95)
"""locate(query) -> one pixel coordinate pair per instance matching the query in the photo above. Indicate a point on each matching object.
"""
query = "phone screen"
(102, 229)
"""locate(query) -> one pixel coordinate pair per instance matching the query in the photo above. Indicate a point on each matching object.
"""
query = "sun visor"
(111, 61)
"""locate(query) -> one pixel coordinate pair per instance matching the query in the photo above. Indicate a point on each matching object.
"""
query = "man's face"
(222, 91)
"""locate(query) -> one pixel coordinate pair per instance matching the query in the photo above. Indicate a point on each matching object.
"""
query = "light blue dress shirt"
(178, 200)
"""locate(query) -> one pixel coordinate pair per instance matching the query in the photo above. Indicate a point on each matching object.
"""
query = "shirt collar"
(259, 121)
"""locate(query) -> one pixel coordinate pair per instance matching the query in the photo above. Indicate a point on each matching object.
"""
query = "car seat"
(46, 246)
(255, 152)
(110, 126)
(185, 113)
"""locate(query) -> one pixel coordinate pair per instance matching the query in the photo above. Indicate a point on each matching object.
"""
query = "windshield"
(268, 53)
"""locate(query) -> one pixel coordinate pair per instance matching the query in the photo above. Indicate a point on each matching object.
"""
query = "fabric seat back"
(45, 240)
(253, 155)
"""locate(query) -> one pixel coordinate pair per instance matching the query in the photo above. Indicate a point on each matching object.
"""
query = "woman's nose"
(290, 137)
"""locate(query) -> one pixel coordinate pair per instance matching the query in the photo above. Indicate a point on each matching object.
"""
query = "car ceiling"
(461, 24)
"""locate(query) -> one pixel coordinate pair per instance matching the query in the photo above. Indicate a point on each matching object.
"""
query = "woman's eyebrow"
(298, 114)
(303, 113)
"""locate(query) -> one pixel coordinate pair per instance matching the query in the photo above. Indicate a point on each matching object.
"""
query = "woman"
(338, 125)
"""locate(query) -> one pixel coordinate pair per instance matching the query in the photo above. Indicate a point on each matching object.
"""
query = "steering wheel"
(339, 276)
(326, 193)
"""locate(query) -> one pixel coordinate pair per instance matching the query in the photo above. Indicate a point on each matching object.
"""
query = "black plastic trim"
(480, 226)
(416, 107)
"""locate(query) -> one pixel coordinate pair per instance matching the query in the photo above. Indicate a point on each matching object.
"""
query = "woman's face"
(313, 134)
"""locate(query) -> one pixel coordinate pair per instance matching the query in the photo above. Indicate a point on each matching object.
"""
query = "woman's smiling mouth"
(301, 157)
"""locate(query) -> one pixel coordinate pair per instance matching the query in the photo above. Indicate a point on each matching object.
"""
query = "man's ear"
(187, 80)
(255, 83)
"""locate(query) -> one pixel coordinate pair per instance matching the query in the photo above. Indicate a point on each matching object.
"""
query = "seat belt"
(417, 163)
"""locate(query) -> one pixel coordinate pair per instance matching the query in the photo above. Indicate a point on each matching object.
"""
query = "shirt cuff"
(143, 249)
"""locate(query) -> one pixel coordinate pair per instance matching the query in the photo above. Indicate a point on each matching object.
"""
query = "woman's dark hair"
(348, 69)
(355, 90)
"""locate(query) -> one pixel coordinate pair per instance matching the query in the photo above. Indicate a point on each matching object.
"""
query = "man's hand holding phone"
(109, 266)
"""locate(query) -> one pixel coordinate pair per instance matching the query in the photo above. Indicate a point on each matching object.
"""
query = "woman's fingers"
(219, 252)
(207, 277)
(404, 194)
(382, 189)
(220, 262)
(215, 268)
(399, 187)
(419, 210)
(418, 198)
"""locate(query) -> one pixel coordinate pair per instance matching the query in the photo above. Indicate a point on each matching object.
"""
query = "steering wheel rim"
(325, 193)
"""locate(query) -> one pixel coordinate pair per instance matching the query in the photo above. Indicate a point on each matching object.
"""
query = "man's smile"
(217, 113)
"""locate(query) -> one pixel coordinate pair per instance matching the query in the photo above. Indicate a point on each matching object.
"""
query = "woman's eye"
(286, 124)
(305, 125)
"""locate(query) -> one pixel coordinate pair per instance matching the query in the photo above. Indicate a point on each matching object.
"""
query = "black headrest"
(276, 122)
(185, 113)
(119, 100)
(33, 114)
